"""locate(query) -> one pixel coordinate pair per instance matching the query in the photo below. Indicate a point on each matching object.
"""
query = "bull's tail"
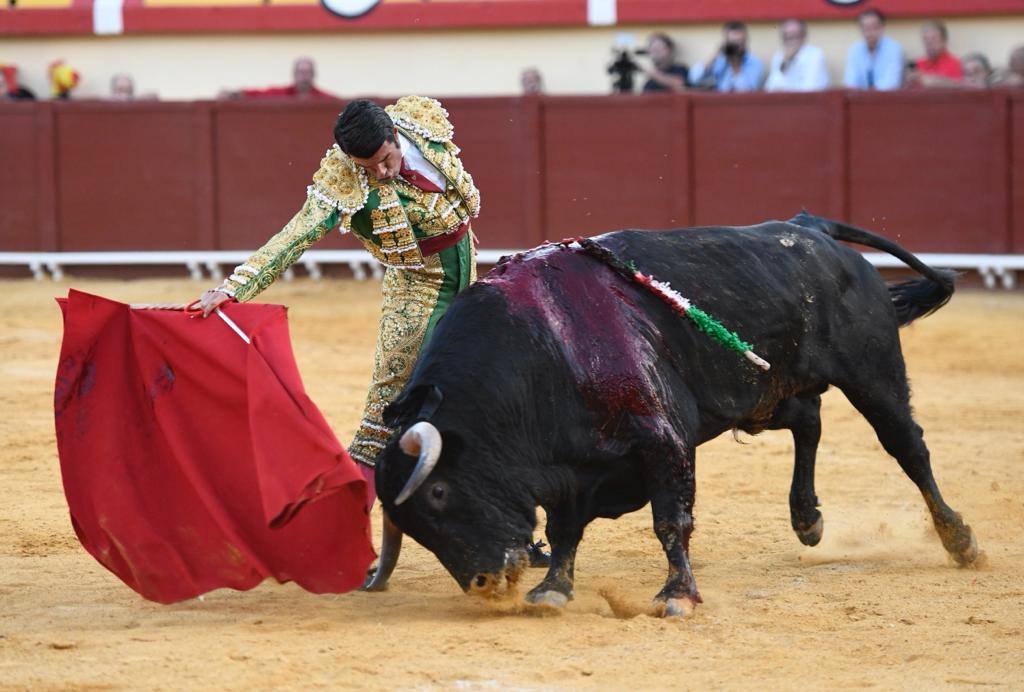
(911, 299)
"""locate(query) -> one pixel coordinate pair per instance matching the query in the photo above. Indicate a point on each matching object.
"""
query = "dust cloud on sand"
(875, 605)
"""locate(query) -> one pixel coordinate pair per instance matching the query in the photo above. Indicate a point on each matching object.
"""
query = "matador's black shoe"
(538, 558)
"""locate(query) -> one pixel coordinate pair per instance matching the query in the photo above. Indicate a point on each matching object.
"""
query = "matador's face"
(385, 162)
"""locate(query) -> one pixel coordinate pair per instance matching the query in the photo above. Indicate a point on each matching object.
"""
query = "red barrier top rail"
(69, 17)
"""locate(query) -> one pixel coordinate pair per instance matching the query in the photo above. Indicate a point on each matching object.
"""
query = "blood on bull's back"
(608, 341)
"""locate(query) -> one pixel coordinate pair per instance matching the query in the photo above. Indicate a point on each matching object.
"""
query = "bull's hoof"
(957, 538)
(551, 599)
(811, 536)
(372, 583)
(674, 607)
(967, 555)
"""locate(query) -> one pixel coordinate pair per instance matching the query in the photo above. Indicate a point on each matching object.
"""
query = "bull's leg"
(564, 532)
(802, 417)
(886, 405)
(671, 485)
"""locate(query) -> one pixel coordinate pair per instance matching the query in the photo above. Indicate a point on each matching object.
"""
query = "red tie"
(417, 180)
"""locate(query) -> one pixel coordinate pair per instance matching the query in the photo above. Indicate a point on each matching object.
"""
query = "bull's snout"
(485, 584)
(503, 581)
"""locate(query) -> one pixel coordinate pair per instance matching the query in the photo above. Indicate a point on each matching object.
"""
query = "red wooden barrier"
(128, 176)
(1016, 207)
(938, 171)
(611, 163)
(760, 157)
(931, 169)
(19, 179)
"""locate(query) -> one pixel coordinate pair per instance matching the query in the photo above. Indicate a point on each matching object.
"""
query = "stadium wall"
(477, 62)
(227, 175)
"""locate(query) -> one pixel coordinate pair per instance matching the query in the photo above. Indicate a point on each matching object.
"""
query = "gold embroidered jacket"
(388, 217)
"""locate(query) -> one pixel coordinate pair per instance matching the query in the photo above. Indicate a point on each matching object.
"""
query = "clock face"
(349, 9)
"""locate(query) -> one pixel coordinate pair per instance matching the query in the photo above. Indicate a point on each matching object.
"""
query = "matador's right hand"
(212, 298)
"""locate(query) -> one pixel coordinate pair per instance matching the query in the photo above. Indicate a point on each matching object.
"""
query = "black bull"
(556, 382)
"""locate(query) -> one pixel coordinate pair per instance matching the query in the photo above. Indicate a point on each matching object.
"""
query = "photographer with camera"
(732, 67)
(665, 74)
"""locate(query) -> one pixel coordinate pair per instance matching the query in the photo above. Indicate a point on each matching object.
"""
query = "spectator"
(877, 61)
(732, 67)
(122, 87)
(302, 86)
(1017, 64)
(939, 68)
(1013, 75)
(531, 81)
(665, 73)
(9, 88)
(977, 71)
(797, 66)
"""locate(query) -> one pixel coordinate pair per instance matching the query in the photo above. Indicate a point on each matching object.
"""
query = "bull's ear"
(419, 403)
(452, 444)
(401, 408)
(431, 402)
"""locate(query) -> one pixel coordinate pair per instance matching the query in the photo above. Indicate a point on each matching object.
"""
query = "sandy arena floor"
(875, 605)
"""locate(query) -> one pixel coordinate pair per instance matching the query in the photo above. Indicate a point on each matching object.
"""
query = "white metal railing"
(200, 265)
(994, 269)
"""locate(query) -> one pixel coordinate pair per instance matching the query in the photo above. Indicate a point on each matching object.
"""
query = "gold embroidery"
(341, 182)
(410, 297)
(422, 115)
(451, 168)
(309, 225)
(398, 247)
(432, 213)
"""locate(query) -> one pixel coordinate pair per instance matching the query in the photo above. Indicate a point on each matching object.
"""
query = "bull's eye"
(437, 496)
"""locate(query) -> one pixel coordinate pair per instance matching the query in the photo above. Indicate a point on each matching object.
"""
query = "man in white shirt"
(797, 66)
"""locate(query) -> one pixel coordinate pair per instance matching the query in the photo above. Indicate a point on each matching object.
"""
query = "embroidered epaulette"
(424, 116)
(340, 182)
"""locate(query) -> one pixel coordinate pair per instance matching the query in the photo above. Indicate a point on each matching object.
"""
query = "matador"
(395, 180)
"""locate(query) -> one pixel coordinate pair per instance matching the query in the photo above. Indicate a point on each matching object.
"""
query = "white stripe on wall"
(601, 12)
(107, 17)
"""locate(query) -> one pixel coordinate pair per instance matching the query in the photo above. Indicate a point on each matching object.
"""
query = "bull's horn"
(390, 547)
(424, 440)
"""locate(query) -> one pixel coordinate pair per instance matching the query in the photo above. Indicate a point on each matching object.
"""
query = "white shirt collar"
(414, 159)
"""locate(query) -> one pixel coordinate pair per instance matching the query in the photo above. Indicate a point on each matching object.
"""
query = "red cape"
(188, 454)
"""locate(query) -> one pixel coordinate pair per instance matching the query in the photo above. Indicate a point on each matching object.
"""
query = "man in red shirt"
(302, 87)
(939, 67)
